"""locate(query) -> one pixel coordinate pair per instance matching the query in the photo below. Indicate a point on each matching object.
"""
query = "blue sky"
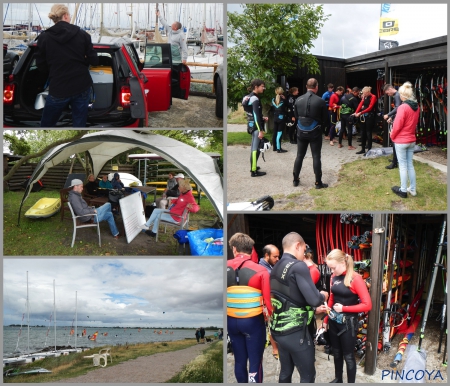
(116, 292)
(352, 29)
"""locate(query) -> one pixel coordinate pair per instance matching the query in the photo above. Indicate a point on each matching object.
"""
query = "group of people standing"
(307, 117)
(281, 293)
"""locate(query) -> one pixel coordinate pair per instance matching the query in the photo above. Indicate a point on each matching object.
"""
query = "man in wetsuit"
(248, 294)
(293, 297)
(389, 117)
(349, 103)
(312, 116)
(271, 257)
(176, 36)
(255, 123)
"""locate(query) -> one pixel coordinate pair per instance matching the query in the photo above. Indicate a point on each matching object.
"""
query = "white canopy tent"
(104, 145)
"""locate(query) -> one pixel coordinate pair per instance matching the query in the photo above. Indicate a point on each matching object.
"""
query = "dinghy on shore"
(45, 207)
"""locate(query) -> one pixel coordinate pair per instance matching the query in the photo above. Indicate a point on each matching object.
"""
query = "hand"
(184, 61)
(325, 326)
(293, 119)
(337, 307)
(325, 293)
(261, 134)
(283, 97)
(321, 309)
(385, 116)
(389, 120)
(266, 119)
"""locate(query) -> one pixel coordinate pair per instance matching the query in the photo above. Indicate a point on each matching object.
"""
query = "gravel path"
(278, 181)
(155, 368)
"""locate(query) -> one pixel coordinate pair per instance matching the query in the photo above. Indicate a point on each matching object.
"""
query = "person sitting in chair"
(170, 192)
(116, 182)
(185, 200)
(81, 208)
(92, 186)
(104, 183)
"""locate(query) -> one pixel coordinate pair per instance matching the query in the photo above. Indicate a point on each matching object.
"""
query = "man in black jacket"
(312, 114)
(65, 52)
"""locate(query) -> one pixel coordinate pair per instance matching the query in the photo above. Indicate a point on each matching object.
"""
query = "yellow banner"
(388, 26)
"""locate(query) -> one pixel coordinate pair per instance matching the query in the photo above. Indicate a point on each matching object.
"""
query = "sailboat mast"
(54, 309)
(30, 18)
(76, 319)
(28, 318)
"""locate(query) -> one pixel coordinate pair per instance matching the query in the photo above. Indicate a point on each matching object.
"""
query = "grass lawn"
(206, 368)
(51, 237)
(365, 185)
(73, 365)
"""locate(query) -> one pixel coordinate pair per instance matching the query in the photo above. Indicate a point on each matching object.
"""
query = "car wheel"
(219, 98)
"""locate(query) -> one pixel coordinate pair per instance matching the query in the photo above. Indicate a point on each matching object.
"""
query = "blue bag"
(181, 236)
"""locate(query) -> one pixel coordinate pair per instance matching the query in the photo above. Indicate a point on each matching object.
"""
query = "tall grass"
(206, 368)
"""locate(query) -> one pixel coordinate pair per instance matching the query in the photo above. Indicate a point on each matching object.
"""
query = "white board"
(133, 215)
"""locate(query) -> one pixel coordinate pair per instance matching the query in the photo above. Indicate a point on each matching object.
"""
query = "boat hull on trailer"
(45, 207)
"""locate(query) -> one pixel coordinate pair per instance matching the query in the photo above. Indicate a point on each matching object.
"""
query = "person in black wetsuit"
(291, 122)
(278, 107)
(366, 113)
(255, 123)
(349, 104)
(349, 296)
(311, 114)
(293, 296)
(392, 92)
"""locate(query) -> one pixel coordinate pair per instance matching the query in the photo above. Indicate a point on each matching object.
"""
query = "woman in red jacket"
(349, 296)
(404, 136)
(184, 200)
(366, 110)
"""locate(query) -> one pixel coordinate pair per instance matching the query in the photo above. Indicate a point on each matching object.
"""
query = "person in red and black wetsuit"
(349, 296)
(366, 110)
(333, 108)
(248, 294)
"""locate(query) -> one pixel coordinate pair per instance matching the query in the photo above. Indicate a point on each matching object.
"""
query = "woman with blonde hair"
(349, 296)
(404, 137)
(366, 112)
(278, 107)
(178, 205)
(65, 52)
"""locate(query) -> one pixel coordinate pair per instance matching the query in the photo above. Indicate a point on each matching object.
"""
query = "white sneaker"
(144, 227)
(411, 192)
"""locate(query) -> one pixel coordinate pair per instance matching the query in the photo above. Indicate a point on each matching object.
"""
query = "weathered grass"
(74, 365)
(366, 185)
(206, 368)
(237, 117)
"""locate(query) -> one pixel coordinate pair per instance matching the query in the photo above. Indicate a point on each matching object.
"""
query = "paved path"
(156, 368)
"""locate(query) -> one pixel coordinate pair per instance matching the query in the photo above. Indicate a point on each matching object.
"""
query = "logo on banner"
(388, 26)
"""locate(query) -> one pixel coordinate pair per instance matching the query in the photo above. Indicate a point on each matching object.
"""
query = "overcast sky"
(184, 292)
(142, 13)
(358, 25)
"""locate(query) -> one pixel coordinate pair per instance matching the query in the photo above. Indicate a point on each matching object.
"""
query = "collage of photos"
(224, 193)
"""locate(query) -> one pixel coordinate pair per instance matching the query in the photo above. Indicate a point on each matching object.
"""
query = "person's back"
(309, 107)
(66, 51)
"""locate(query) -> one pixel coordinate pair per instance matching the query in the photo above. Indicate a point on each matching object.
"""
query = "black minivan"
(118, 98)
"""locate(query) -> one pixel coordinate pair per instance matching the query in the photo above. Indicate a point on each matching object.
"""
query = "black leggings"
(345, 124)
(343, 347)
(314, 139)
(277, 133)
(293, 354)
(366, 131)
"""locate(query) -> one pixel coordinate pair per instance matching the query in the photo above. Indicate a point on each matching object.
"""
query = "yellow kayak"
(45, 207)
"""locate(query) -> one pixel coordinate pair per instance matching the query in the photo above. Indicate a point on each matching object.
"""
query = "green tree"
(266, 38)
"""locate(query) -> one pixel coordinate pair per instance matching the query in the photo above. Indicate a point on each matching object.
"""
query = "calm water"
(130, 335)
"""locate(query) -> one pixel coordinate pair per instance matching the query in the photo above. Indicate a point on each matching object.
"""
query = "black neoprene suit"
(303, 292)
